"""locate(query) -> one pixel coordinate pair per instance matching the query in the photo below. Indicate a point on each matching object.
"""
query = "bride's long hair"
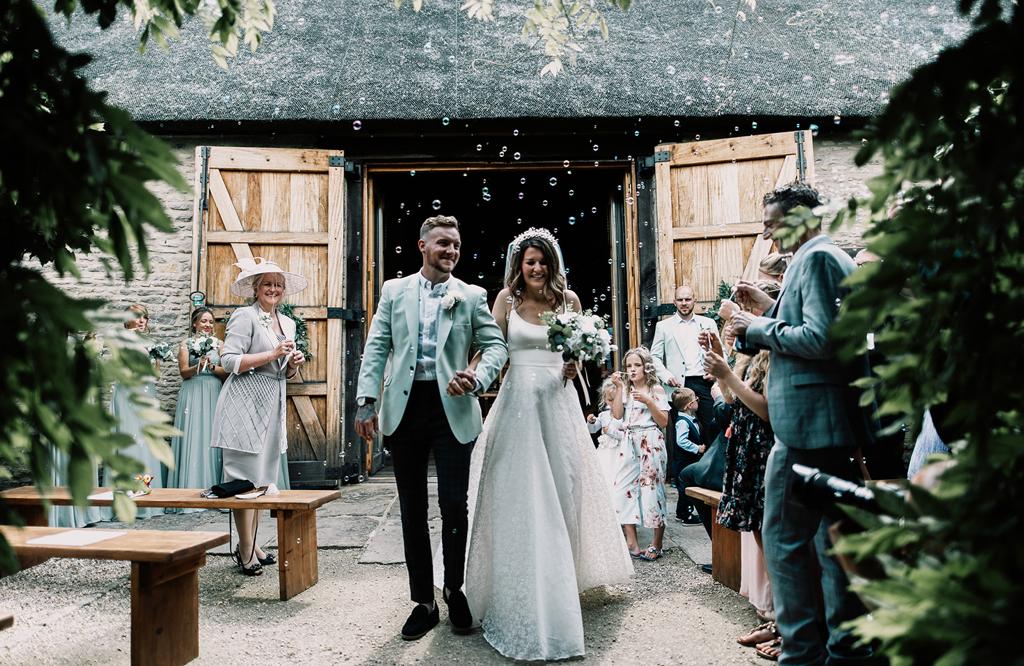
(554, 290)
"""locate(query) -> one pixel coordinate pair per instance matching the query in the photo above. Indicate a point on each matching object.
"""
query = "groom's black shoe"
(458, 612)
(420, 622)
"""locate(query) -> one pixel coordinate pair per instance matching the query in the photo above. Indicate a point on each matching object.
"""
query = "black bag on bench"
(232, 488)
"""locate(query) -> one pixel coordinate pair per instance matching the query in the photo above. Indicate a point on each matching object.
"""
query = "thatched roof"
(351, 59)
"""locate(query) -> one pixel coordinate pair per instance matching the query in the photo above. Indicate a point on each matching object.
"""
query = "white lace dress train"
(542, 526)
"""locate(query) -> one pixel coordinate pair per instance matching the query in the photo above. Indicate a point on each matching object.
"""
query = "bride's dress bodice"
(528, 344)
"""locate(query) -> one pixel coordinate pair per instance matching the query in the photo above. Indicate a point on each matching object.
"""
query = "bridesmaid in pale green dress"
(196, 465)
(128, 421)
(71, 516)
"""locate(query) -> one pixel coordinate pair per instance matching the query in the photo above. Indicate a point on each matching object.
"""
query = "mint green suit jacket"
(390, 352)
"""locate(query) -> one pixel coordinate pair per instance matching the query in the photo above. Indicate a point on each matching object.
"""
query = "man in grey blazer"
(817, 423)
(419, 349)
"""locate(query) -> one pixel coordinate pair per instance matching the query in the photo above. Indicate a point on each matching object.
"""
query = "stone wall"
(165, 290)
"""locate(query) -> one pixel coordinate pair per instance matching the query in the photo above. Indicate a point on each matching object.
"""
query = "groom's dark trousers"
(424, 428)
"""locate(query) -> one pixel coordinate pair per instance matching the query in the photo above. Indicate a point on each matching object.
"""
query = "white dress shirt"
(430, 307)
(686, 332)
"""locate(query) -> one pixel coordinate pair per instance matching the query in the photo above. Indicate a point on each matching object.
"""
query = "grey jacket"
(251, 406)
(810, 401)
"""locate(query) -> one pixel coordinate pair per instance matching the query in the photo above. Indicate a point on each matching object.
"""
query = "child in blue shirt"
(691, 448)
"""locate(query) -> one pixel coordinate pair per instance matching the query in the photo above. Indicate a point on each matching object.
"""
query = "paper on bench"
(76, 537)
(109, 495)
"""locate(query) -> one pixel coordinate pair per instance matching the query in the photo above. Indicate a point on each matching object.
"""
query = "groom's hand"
(463, 383)
(366, 421)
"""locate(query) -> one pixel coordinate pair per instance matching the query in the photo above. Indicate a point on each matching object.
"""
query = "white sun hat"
(251, 268)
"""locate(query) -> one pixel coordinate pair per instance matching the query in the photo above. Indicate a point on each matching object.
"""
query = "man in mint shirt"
(419, 348)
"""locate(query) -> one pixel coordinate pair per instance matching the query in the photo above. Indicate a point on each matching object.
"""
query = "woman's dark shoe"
(268, 560)
(458, 612)
(420, 622)
(254, 569)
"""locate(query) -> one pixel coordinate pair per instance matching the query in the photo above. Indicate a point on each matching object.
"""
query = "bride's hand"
(569, 370)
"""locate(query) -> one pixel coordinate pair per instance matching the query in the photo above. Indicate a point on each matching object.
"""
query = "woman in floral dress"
(641, 403)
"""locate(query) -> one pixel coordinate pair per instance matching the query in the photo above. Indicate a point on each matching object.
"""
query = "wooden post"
(165, 612)
(725, 553)
(297, 558)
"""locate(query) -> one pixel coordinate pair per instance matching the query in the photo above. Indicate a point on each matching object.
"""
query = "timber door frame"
(325, 439)
(794, 148)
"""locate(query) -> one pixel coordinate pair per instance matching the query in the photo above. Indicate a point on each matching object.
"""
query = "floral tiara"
(532, 232)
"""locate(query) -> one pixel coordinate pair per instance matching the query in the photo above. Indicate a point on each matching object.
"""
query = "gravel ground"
(77, 612)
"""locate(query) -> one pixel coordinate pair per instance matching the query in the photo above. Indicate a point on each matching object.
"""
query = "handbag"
(232, 488)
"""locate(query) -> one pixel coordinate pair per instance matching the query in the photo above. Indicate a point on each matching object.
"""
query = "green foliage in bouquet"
(73, 179)
(946, 306)
(301, 330)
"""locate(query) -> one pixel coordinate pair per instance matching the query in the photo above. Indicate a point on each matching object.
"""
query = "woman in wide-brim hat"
(249, 424)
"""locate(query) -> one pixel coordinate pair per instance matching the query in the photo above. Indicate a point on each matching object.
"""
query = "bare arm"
(659, 415)
(718, 368)
(184, 369)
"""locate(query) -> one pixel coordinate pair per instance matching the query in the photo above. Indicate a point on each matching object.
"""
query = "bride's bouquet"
(578, 336)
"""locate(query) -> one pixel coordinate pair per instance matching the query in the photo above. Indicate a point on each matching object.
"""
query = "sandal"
(651, 554)
(254, 569)
(771, 650)
(762, 633)
(637, 556)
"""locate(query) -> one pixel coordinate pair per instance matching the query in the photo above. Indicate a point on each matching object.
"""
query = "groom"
(419, 346)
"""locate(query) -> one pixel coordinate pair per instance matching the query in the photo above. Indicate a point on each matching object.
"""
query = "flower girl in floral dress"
(641, 403)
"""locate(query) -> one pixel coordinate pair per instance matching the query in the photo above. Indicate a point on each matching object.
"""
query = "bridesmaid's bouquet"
(201, 345)
(161, 351)
(578, 336)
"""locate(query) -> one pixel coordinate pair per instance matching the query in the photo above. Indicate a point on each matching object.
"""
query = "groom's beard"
(438, 266)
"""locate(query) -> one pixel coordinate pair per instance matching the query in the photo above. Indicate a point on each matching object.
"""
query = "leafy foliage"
(301, 330)
(945, 305)
(555, 27)
(73, 179)
(228, 22)
(724, 292)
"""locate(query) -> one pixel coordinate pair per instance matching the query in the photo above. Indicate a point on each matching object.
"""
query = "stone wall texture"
(165, 289)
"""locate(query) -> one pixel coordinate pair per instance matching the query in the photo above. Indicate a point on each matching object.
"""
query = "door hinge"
(659, 156)
(801, 157)
(204, 177)
(350, 167)
(347, 314)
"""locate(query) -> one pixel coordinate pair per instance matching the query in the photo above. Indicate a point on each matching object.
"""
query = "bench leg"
(165, 612)
(296, 558)
(725, 554)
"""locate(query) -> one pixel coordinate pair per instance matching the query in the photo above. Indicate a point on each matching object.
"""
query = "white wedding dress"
(542, 527)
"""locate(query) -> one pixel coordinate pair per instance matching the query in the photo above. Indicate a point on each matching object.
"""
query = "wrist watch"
(365, 400)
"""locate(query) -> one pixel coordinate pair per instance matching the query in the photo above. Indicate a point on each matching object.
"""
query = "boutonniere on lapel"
(452, 298)
(266, 320)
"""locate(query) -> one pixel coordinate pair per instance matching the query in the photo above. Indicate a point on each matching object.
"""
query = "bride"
(542, 524)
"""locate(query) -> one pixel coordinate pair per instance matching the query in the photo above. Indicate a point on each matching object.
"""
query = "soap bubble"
(357, 125)
(436, 204)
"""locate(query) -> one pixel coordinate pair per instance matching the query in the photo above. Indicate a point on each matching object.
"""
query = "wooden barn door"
(709, 206)
(285, 205)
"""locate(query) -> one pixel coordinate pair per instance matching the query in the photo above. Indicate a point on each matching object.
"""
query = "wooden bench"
(165, 582)
(725, 543)
(295, 510)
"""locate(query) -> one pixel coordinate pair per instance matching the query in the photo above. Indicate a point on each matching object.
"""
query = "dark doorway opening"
(582, 207)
